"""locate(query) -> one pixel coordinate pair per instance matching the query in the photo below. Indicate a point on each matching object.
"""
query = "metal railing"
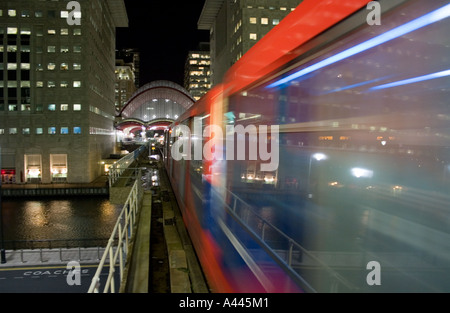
(117, 169)
(118, 243)
(284, 248)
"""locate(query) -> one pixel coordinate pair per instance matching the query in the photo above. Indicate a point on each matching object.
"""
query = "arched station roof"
(156, 101)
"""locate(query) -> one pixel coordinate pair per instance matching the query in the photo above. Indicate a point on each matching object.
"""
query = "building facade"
(236, 25)
(131, 56)
(57, 88)
(197, 71)
(125, 83)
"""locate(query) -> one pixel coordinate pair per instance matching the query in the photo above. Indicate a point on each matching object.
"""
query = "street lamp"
(2, 243)
(317, 157)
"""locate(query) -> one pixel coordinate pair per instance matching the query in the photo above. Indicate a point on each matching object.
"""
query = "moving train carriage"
(357, 120)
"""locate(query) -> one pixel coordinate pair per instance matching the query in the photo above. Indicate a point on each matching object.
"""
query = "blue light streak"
(413, 80)
(397, 32)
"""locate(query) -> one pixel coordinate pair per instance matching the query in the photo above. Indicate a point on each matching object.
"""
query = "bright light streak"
(397, 32)
(413, 80)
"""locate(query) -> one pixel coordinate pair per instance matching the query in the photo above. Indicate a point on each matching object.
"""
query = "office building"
(57, 88)
(125, 83)
(197, 73)
(131, 56)
(236, 25)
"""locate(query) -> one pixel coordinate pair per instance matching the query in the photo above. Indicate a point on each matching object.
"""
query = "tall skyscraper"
(125, 83)
(57, 88)
(132, 56)
(236, 25)
(197, 71)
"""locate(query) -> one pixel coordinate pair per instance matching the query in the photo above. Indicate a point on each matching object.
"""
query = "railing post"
(263, 230)
(291, 248)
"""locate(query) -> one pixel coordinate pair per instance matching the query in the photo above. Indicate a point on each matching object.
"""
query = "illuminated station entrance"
(150, 111)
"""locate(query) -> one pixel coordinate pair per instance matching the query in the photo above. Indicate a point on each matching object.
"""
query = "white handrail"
(123, 232)
(116, 170)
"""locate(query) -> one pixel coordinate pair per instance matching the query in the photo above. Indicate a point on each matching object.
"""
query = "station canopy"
(157, 103)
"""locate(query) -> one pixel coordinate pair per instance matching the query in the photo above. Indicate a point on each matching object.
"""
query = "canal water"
(69, 219)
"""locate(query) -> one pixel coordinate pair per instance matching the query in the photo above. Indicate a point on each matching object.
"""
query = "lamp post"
(2, 242)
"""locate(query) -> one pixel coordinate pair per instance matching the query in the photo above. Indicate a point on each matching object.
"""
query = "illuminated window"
(12, 66)
(58, 165)
(51, 49)
(52, 107)
(64, 31)
(25, 66)
(51, 66)
(25, 13)
(76, 84)
(64, 49)
(39, 131)
(13, 108)
(25, 31)
(253, 20)
(64, 107)
(64, 84)
(253, 36)
(264, 21)
(12, 13)
(51, 84)
(52, 130)
(13, 131)
(77, 130)
(12, 30)
(26, 131)
(77, 32)
(39, 84)
(283, 8)
(51, 31)
(77, 107)
(275, 21)
(64, 130)
(33, 164)
(64, 67)
(64, 14)
(76, 66)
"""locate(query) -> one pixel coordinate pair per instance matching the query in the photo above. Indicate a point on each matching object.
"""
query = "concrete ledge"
(138, 267)
(179, 271)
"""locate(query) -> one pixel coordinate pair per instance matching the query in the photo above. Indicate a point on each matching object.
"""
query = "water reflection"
(74, 218)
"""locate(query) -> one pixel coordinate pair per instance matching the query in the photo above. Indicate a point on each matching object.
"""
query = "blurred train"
(359, 201)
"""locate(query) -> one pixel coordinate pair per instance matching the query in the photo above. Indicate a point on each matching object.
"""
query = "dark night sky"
(164, 32)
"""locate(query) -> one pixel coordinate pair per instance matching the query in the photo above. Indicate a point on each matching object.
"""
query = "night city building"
(236, 25)
(57, 88)
(131, 56)
(125, 86)
(197, 73)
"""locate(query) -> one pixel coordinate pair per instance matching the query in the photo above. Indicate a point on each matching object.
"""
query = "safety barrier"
(285, 250)
(118, 243)
(117, 169)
